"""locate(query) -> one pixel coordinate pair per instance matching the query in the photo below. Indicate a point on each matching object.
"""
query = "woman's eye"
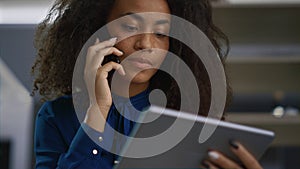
(129, 28)
(160, 35)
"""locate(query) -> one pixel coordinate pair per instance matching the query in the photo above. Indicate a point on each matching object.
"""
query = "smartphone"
(107, 59)
(110, 58)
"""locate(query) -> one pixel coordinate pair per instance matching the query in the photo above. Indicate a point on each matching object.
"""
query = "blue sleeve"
(53, 151)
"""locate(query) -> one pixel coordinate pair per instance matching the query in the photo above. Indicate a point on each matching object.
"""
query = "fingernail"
(97, 40)
(205, 164)
(113, 39)
(121, 53)
(233, 144)
(213, 155)
(122, 72)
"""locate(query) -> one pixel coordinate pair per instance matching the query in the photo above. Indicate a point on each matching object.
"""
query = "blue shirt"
(62, 142)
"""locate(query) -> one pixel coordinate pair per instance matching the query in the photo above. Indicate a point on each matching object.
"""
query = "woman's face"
(143, 48)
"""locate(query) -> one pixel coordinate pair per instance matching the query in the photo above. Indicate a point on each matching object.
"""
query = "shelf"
(262, 53)
(263, 59)
(247, 3)
(286, 128)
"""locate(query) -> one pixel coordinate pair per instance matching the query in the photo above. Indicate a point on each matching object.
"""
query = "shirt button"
(116, 162)
(100, 139)
(95, 152)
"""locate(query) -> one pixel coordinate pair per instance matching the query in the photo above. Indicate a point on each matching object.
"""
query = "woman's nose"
(144, 41)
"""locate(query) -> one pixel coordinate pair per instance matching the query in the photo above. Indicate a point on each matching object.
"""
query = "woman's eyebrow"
(161, 22)
(134, 15)
(141, 19)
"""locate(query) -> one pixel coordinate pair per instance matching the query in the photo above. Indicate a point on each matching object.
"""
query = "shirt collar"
(139, 101)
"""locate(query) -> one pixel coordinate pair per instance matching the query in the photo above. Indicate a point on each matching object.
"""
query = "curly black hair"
(70, 23)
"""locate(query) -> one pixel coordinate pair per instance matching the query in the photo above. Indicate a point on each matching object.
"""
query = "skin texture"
(144, 44)
(222, 161)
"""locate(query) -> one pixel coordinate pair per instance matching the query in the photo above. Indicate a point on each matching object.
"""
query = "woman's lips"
(140, 63)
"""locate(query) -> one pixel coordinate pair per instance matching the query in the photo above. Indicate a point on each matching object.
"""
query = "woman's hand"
(218, 160)
(95, 77)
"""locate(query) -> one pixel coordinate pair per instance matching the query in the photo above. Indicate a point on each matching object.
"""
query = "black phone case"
(110, 58)
(107, 59)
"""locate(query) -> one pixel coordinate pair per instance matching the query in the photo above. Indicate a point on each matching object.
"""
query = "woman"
(60, 139)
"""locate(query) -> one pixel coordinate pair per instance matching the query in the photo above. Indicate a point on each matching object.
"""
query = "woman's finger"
(103, 70)
(101, 45)
(208, 165)
(108, 51)
(97, 60)
(222, 161)
(244, 155)
(98, 46)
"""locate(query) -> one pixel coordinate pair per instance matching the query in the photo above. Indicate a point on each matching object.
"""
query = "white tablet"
(189, 152)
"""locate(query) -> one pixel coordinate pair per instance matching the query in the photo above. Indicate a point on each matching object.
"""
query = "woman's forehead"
(138, 6)
(149, 11)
